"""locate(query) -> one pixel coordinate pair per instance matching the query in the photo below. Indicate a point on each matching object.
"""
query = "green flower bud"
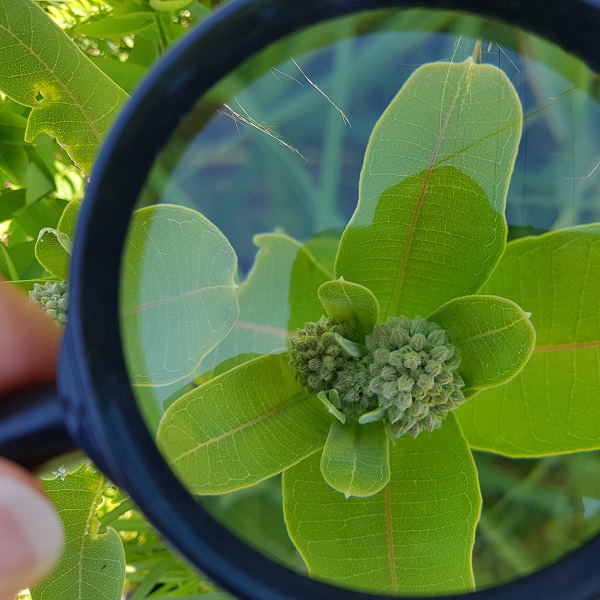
(404, 400)
(444, 377)
(418, 342)
(434, 367)
(435, 338)
(405, 383)
(389, 373)
(53, 297)
(412, 360)
(389, 390)
(398, 338)
(382, 355)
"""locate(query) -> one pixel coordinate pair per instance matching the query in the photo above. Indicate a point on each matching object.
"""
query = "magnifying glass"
(266, 158)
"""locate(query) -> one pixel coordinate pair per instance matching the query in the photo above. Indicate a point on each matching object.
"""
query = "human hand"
(31, 534)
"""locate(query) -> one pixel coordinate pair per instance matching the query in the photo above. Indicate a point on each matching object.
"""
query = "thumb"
(31, 534)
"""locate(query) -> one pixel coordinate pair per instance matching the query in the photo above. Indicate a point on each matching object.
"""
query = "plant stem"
(478, 51)
(535, 476)
(326, 210)
(118, 511)
(163, 42)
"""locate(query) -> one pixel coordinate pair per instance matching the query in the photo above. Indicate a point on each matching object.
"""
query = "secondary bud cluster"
(413, 373)
(406, 374)
(322, 364)
(53, 297)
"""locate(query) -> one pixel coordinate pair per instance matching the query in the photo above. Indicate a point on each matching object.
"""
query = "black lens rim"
(98, 403)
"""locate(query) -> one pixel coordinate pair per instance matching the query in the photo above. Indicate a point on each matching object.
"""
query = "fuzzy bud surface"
(53, 297)
(321, 363)
(413, 374)
(406, 374)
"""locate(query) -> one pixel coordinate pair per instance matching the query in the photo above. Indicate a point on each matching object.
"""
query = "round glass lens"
(360, 302)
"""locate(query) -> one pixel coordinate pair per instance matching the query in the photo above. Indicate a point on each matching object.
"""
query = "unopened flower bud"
(53, 297)
(415, 380)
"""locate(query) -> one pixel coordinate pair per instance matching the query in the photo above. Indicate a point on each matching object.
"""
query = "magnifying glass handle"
(32, 431)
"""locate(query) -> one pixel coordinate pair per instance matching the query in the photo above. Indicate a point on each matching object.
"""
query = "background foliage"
(534, 509)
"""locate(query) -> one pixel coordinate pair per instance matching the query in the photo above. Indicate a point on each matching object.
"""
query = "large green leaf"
(126, 75)
(493, 335)
(434, 236)
(242, 427)
(324, 246)
(278, 296)
(92, 566)
(39, 183)
(433, 189)
(71, 99)
(45, 213)
(551, 406)
(177, 293)
(356, 458)
(53, 247)
(413, 537)
(18, 262)
(168, 5)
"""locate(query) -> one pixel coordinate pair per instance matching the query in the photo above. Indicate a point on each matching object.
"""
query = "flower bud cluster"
(406, 374)
(413, 374)
(53, 297)
(322, 363)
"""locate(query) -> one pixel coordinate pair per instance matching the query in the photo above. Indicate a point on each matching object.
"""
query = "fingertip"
(31, 533)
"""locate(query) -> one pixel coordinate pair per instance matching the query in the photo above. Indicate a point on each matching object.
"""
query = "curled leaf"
(356, 458)
(493, 335)
(351, 303)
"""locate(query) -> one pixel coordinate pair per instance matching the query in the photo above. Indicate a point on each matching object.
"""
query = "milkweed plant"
(426, 336)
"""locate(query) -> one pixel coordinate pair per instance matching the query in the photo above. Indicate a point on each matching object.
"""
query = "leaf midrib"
(489, 332)
(86, 534)
(397, 291)
(278, 332)
(162, 301)
(293, 400)
(390, 536)
(567, 346)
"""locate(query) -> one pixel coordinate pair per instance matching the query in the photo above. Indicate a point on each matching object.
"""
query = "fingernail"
(31, 534)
